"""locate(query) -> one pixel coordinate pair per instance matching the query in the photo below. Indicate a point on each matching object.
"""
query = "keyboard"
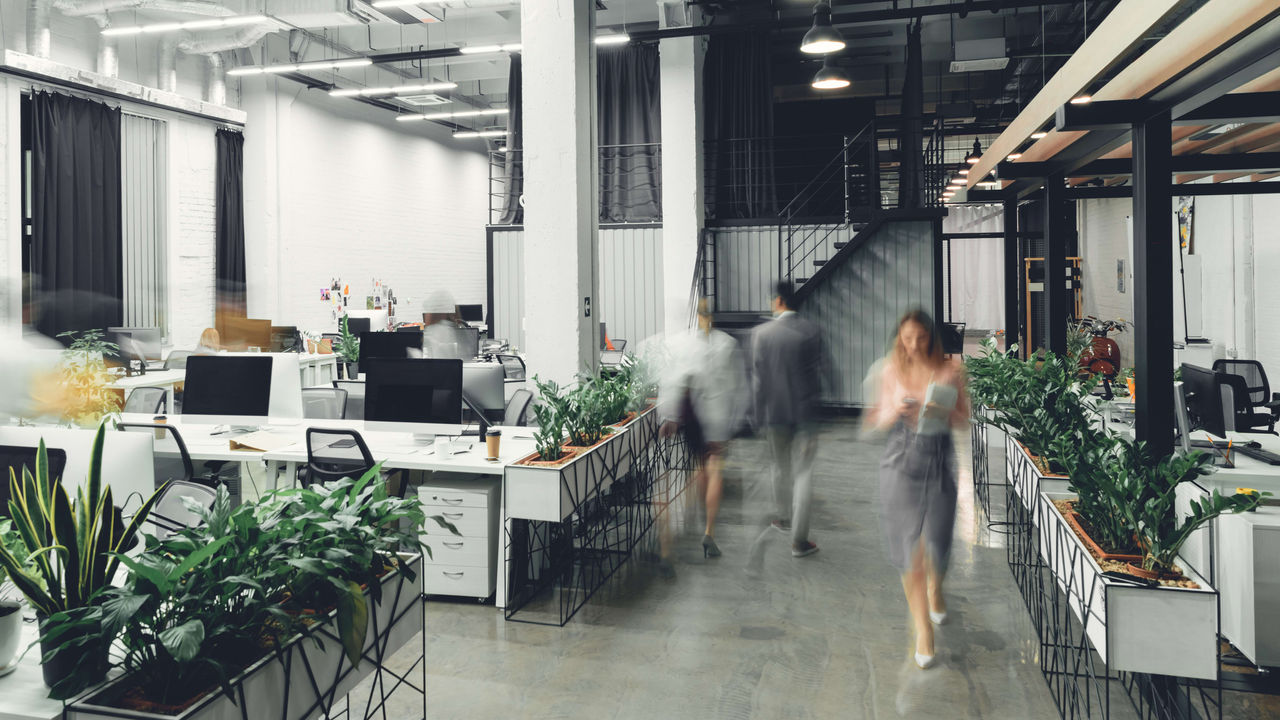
(1269, 458)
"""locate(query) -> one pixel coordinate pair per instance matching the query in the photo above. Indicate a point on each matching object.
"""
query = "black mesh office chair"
(321, 403)
(148, 400)
(1255, 405)
(513, 368)
(177, 359)
(517, 411)
(171, 513)
(171, 459)
(336, 454)
(355, 398)
(952, 338)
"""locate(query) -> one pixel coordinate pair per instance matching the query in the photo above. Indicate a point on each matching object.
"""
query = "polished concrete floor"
(819, 637)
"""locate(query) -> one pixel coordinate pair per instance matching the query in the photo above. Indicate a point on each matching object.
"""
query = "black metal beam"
(1057, 231)
(1234, 107)
(1192, 189)
(1153, 283)
(1101, 115)
(1202, 163)
(1012, 269)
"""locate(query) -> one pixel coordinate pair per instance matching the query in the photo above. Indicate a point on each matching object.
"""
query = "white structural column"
(682, 191)
(560, 188)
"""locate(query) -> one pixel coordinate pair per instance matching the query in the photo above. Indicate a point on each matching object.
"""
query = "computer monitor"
(471, 313)
(1204, 399)
(356, 325)
(1181, 416)
(392, 346)
(469, 342)
(482, 384)
(284, 338)
(228, 386)
(137, 343)
(415, 390)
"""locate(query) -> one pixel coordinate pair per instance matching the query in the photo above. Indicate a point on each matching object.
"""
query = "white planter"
(1025, 479)
(262, 686)
(10, 637)
(1162, 630)
(551, 494)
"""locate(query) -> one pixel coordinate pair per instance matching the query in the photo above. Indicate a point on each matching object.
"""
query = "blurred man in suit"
(787, 362)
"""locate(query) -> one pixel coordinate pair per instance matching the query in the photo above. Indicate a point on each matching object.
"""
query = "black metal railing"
(848, 183)
(936, 171)
(630, 182)
(753, 178)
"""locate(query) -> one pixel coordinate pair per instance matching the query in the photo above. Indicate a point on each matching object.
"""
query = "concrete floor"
(818, 637)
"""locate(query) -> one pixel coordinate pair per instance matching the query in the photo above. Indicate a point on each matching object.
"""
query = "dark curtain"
(76, 244)
(738, 93)
(513, 162)
(229, 204)
(911, 187)
(630, 132)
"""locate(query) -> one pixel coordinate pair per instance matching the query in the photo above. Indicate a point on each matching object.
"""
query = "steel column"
(1057, 231)
(1012, 269)
(1153, 282)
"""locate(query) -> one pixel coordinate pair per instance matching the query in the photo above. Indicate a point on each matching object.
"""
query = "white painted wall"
(335, 191)
(976, 287)
(1232, 285)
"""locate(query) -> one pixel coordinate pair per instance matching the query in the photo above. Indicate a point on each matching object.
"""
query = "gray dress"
(918, 495)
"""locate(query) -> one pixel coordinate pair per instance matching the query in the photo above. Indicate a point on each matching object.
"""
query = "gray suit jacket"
(788, 364)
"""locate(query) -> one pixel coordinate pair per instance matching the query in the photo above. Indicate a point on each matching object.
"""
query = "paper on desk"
(261, 441)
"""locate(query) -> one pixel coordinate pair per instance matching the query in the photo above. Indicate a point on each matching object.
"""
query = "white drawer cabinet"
(464, 564)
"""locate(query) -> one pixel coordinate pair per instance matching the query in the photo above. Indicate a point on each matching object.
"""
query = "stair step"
(819, 263)
(801, 281)
(840, 245)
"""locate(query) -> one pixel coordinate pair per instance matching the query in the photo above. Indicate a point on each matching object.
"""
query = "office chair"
(177, 359)
(171, 459)
(148, 400)
(952, 338)
(170, 512)
(513, 368)
(16, 457)
(1255, 405)
(355, 398)
(1241, 415)
(619, 344)
(325, 462)
(517, 411)
(321, 403)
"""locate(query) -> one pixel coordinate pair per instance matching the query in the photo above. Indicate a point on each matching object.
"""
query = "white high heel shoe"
(938, 618)
(924, 662)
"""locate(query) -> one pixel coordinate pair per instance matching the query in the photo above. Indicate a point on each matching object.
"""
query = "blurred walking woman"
(921, 398)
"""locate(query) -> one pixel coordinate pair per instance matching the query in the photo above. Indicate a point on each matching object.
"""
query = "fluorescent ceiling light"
(613, 39)
(452, 115)
(479, 133)
(1082, 100)
(989, 184)
(379, 4)
(212, 24)
(1038, 135)
(1014, 156)
(398, 90)
(963, 171)
(295, 67)
(483, 49)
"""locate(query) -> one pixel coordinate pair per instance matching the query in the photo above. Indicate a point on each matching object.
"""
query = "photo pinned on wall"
(368, 302)
(324, 294)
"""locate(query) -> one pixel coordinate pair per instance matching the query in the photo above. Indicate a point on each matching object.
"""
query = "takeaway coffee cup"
(491, 440)
(160, 420)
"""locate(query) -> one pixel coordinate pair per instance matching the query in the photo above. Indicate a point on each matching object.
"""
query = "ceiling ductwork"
(216, 86)
(39, 40)
(242, 38)
(83, 8)
(167, 71)
(108, 55)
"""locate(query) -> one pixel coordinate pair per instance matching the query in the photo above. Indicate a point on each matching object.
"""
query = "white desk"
(153, 378)
(318, 370)
(23, 694)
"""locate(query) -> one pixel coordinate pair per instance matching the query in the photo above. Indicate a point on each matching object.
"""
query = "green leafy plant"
(348, 347)
(589, 412)
(73, 550)
(11, 541)
(550, 413)
(85, 378)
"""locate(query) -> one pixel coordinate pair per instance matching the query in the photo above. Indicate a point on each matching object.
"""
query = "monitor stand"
(423, 438)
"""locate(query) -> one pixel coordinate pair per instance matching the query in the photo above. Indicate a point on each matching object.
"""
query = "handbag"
(690, 425)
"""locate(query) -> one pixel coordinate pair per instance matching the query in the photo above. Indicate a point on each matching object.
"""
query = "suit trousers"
(793, 448)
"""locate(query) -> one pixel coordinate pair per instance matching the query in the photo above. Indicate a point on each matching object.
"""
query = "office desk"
(153, 378)
(318, 370)
(23, 694)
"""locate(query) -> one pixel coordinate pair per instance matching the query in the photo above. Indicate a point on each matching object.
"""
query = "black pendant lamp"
(829, 77)
(822, 38)
(973, 157)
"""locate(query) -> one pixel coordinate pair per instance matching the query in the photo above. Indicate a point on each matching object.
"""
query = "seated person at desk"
(210, 343)
(440, 333)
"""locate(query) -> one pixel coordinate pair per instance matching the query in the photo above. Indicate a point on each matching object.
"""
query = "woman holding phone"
(919, 401)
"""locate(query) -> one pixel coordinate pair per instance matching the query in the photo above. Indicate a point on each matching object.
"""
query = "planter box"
(1162, 630)
(280, 685)
(551, 494)
(1025, 479)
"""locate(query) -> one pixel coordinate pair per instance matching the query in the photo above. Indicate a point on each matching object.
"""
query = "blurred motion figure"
(920, 398)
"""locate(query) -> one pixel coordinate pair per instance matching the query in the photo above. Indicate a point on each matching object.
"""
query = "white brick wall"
(192, 170)
(1104, 239)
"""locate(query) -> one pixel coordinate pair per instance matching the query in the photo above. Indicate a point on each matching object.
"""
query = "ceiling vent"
(981, 54)
(423, 99)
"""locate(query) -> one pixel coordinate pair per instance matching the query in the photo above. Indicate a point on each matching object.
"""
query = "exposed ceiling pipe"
(469, 4)
(168, 64)
(244, 37)
(216, 86)
(108, 55)
(80, 8)
(38, 38)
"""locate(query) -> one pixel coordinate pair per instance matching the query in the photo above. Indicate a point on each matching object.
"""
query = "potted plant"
(10, 601)
(88, 400)
(73, 550)
(1094, 460)
(550, 414)
(589, 415)
(348, 348)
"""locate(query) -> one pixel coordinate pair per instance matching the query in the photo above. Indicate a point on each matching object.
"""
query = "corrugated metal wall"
(747, 262)
(858, 305)
(630, 301)
(143, 158)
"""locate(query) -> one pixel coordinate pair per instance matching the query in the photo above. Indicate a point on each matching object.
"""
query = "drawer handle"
(454, 575)
(451, 501)
(452, 516)
(453, 545)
